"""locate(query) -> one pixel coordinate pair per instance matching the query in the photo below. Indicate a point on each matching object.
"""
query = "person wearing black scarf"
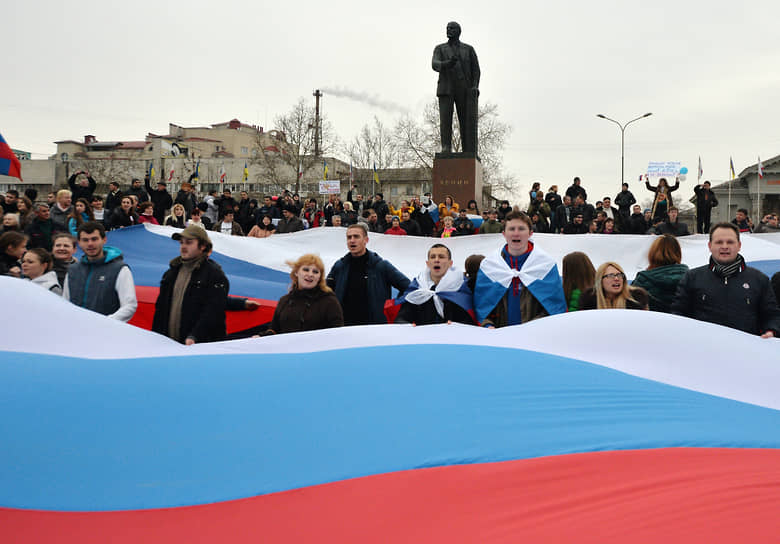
(728, 292)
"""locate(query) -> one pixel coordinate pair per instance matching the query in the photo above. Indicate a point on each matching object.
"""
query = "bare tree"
(374, 145)
(293, 148)
(417, 142)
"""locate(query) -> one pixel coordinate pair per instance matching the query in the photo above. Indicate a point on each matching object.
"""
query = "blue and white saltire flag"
(451, 287)
(539, 274)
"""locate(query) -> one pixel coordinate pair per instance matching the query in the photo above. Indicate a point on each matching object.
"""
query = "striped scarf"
(726, 271)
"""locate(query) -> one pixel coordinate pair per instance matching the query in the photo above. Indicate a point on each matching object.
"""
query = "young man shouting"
(520, 283)
(439, 294)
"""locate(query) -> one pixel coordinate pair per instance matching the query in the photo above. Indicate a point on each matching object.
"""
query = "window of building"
(244, 150)
(394, 191)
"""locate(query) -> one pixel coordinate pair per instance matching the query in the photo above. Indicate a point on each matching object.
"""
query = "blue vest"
(91, 284)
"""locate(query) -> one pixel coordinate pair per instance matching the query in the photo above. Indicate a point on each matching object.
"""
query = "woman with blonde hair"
(178, 217)
(578, 277)
(663, 274)
(311, 304)
(611, 291)
(348, 216)
(447, 229)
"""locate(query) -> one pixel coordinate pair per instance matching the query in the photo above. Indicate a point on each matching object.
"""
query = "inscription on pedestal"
(458, 177)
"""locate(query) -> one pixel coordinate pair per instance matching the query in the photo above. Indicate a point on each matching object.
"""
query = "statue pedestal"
(458, 175)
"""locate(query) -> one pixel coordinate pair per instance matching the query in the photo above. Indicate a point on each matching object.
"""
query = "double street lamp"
(623, 140)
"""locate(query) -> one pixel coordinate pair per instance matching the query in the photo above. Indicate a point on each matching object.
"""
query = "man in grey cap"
(193, 293)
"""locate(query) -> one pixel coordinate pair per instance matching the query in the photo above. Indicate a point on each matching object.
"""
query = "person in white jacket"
(38, 267)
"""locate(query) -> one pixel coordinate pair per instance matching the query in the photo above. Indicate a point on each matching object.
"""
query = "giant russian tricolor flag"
(597, 426)
(257, 268)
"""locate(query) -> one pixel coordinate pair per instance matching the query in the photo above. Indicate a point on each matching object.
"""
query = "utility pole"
(317, 95)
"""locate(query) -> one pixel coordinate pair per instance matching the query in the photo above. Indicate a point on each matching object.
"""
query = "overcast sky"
(708, 73)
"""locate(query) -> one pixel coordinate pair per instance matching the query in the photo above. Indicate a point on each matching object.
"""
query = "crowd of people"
(515, 285)
(550, 212)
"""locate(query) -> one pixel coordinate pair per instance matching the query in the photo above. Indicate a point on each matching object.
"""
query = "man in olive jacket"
(193, 293)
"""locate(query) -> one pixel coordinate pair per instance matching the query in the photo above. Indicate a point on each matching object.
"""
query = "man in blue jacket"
(362, 280)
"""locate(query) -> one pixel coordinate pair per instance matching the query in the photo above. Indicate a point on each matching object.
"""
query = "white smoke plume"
(365, 98)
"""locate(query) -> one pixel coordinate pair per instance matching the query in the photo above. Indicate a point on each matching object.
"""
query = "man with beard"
(190, 307)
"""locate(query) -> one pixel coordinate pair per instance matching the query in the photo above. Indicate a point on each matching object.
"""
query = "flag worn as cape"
(451, 287)
(539, 274)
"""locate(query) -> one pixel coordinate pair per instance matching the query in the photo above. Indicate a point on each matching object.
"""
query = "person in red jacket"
(147, 213)
(396, 229)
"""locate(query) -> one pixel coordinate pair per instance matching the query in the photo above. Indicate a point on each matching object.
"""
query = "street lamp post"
(623, 140)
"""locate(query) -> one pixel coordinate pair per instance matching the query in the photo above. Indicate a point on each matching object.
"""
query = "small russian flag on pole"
(9, 162)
